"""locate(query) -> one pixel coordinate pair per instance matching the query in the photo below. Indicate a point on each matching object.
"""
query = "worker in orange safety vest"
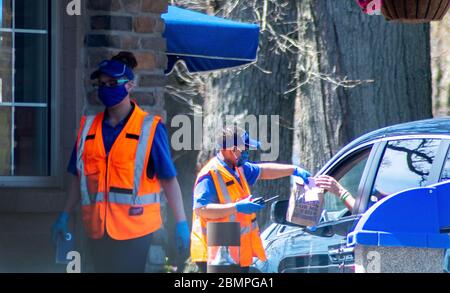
(222, 194)
(120, 162)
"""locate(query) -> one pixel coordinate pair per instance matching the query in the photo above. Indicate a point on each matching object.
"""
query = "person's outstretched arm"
(275, 171)
(217, 211)
(332, 185)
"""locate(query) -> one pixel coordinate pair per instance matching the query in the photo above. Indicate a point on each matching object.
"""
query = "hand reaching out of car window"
(332, 185)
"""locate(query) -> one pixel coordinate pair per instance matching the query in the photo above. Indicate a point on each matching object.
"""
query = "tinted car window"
(348, 174)
(405, 164)
(445, 175)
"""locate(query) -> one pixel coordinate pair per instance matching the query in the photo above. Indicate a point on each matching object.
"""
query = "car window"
(405, 164)
(348, 174)
(445, 175)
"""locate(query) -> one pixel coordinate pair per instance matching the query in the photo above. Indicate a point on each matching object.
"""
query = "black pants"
(202, 268)
(120, 256)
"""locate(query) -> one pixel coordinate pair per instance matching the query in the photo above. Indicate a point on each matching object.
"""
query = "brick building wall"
(128, 25)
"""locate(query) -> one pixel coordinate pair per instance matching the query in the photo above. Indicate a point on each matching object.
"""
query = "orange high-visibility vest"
(116, 193)
(229, 190)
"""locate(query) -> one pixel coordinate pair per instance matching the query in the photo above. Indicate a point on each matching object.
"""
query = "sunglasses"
(110, 83)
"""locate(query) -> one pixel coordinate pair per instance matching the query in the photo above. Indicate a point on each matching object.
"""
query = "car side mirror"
(278, 212)
(345, 226)
(340, 227)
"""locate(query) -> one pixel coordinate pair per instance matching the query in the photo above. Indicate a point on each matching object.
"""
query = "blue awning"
(207, 43)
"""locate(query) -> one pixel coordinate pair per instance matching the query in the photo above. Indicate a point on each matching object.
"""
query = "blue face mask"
(242, 159)
(111, 96)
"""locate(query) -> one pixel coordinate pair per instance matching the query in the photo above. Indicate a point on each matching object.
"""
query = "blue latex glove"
(246, 206)
(182, 236)
(302, 173)
(60, 226)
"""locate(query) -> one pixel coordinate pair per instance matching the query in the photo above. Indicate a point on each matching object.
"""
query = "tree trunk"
(440, 56)
(258, 90)
(330, 72)
(360, 73)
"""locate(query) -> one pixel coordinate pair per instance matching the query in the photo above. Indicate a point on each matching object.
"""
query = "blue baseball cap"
(239, 140)
(114, 69)
(250, 143)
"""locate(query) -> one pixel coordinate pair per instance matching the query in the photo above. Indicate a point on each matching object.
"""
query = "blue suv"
(387, 161)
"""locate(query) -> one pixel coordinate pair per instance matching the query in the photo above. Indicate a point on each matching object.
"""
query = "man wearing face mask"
(120, 162)
(222, 194)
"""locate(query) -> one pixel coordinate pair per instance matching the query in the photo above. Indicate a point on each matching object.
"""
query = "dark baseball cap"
(114, 69)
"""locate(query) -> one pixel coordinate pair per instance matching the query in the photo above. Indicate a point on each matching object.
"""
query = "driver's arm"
(348, 200)
(332, 185)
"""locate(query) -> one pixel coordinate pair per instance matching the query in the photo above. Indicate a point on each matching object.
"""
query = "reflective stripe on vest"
(128, 199)
(141, 151)
(251, 227)
(116, 197)
(227, 197)
(99, 197)
(139, 164)
(251, 244)
(85, 199)
(226, 194)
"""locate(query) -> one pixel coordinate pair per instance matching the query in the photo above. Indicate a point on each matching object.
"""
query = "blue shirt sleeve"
(160, 161)
(72, 166)
(205, 193)
(251, 172)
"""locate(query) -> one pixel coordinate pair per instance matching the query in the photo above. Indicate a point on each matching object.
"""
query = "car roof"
(436, 126)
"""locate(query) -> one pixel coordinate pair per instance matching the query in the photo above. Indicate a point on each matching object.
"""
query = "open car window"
(348, 173)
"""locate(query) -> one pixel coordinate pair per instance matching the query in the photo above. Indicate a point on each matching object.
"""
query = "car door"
(408, 163)
(405, 163)
(324, 249)
(444, 175)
